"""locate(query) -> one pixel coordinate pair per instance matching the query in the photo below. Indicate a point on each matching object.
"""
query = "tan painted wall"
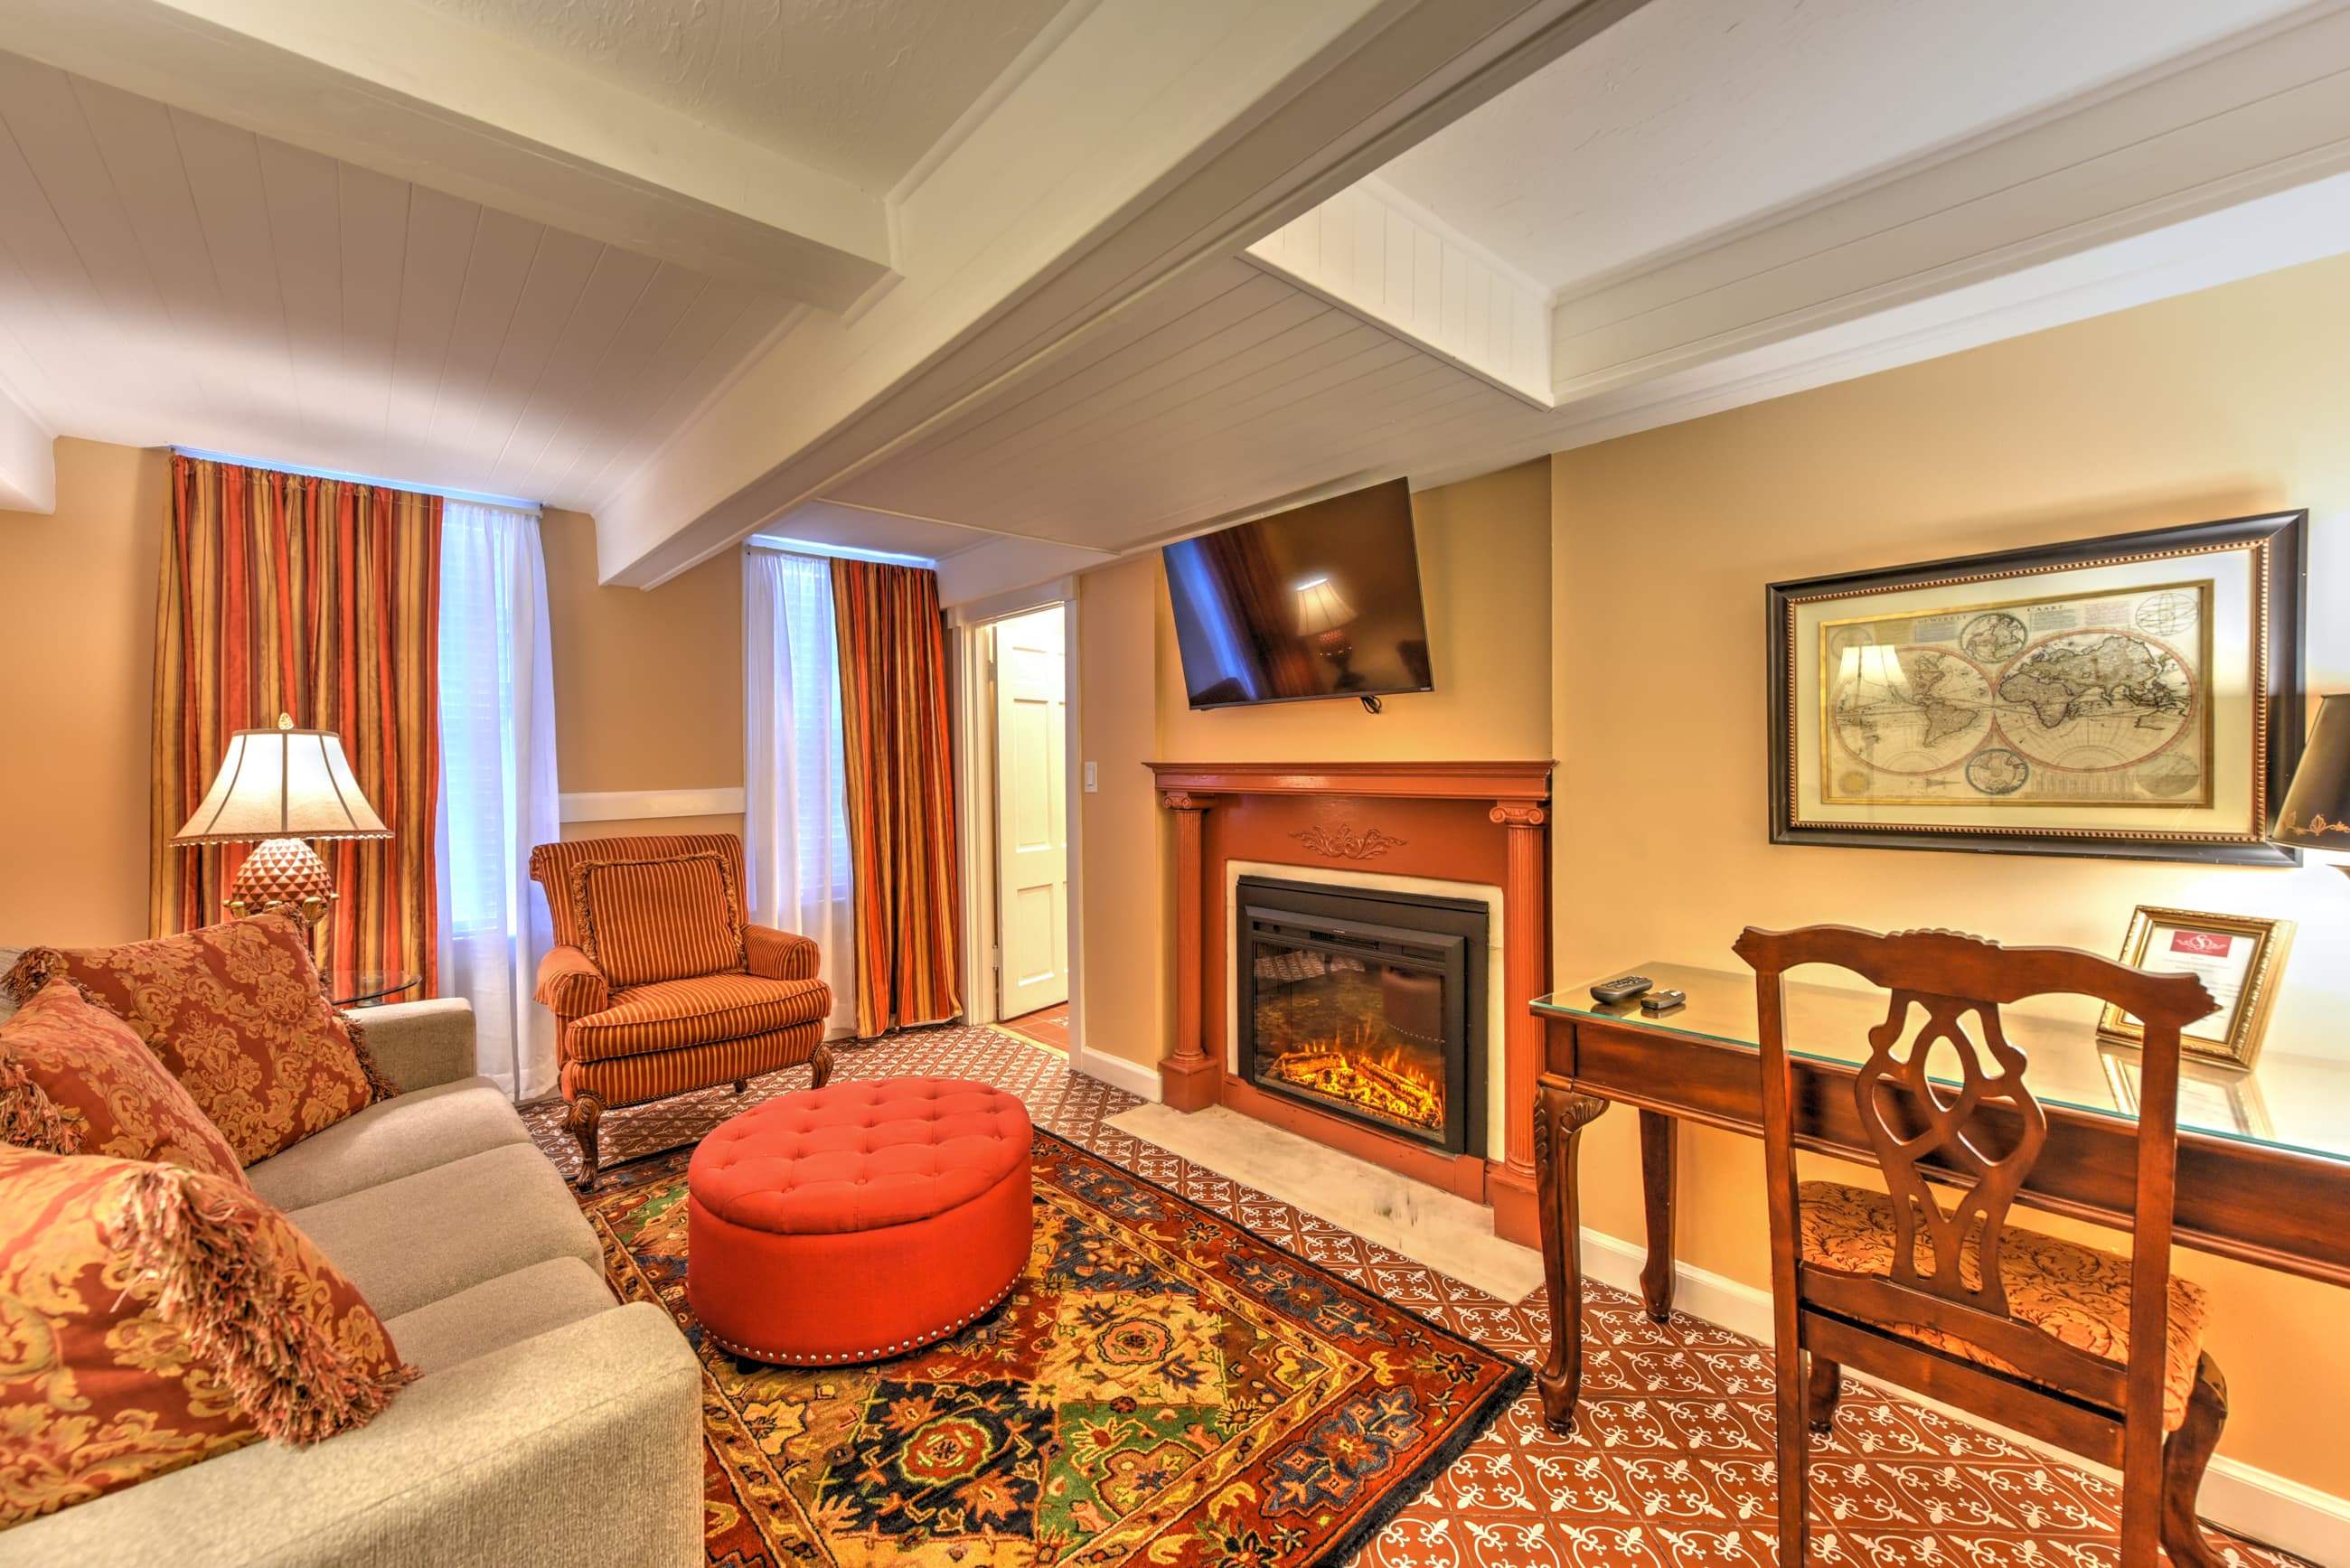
(1484, 552)
(1121, 839)
(647, 686)
(78, 644)
(2212, 405)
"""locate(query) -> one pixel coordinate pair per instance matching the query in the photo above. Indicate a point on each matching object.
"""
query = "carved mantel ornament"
(1348, 843)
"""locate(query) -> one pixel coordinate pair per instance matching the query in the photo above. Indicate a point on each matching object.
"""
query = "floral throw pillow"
(74, 1079)
(239, 1015)
(156, 1317)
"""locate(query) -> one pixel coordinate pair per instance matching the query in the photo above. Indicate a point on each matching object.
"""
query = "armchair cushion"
(780, 955)
(676, 1013)
(570, 983)
(656, 918)
(551, 866)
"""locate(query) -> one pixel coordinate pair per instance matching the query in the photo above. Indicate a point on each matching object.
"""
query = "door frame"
(969, 629)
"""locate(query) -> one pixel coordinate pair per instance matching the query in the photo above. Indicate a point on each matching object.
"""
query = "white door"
(1032, 833)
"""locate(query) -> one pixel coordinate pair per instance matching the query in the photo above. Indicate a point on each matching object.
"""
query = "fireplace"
(1366, 1004)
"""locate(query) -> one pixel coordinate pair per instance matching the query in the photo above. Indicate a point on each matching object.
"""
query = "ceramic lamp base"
(282, 874)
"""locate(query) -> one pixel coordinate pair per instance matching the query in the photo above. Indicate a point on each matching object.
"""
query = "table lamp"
(2317, 813)
(282, 786)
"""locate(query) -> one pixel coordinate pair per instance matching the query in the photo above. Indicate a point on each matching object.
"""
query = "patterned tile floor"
(1670, 1466)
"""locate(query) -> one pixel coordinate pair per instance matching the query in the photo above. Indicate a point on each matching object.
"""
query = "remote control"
(1662, 1001)
(1623, 990)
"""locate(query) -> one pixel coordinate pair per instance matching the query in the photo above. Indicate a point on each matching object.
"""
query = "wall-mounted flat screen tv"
(1323, 601)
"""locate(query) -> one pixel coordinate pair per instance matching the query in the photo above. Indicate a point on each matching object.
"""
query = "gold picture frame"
(2238, 957)
(2106, 697)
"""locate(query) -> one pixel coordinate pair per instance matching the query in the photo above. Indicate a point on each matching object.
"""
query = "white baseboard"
(1136, 1078)
(2268, 1508)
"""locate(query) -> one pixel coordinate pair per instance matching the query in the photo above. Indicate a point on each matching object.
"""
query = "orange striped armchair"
(658, 982)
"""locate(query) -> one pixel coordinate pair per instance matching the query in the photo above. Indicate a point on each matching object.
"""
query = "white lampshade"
(283, 784)
(1319, 608)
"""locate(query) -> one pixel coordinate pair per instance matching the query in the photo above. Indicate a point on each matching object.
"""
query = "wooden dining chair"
(2097, 1352)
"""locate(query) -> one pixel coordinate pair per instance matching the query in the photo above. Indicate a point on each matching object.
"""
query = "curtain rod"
(475, 498)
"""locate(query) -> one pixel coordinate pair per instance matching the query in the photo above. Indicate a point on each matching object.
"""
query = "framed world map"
(2135, 695)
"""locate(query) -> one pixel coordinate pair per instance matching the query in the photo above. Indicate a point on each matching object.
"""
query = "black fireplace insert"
(1367, 1004)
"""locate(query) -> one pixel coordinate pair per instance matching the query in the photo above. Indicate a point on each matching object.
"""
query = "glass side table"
(369, 987)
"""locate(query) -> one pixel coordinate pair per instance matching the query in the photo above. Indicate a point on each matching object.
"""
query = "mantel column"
(1524, 962)
(1188, 1081)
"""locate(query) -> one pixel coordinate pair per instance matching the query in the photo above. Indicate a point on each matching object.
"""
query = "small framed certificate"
(2237, 957)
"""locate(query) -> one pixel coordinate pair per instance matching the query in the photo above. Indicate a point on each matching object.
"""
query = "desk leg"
(1560, 1117)
(1656, 1191)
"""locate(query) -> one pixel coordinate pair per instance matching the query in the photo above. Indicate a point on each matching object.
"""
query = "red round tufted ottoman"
(856, 1221)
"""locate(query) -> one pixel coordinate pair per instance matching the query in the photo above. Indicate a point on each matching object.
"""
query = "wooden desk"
(2263, 1157)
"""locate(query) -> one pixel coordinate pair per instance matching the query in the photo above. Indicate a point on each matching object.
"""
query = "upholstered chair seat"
(658, 982)
(2079, 1294)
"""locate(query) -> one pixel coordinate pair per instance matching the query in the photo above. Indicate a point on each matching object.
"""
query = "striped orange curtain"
(283, 592)
(900, 792)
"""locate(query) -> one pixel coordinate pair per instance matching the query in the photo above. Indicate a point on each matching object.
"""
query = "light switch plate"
(1093, 778)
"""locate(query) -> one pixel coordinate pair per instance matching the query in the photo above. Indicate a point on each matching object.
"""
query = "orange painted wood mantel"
(1459, 821)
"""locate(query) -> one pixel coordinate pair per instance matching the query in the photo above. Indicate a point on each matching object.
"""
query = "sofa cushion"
(237, 1013)
(498, 1312)
(675, 1013)
(392, 1138)
(74, 1079)
(157, 1317)
(428, 1236)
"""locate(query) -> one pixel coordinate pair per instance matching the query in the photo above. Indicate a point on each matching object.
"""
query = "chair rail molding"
(646, 804)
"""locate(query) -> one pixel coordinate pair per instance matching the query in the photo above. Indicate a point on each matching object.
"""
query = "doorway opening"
(1027, 659)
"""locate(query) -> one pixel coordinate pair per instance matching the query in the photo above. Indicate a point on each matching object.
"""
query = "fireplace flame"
(1387, 1083)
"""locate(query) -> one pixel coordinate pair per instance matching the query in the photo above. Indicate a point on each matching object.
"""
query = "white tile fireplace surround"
(1494, 1044)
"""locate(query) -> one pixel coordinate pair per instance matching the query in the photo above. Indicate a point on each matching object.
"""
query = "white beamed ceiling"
(168, 280)
(1054, 281)
(1416, 326)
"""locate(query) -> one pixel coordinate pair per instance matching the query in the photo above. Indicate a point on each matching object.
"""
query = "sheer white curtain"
(796, 818)
(498, 786)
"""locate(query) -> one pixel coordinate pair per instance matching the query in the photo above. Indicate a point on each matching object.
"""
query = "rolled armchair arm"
(779, 955)
(570, 983)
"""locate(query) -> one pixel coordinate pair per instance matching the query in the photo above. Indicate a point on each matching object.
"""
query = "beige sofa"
(550, 1425)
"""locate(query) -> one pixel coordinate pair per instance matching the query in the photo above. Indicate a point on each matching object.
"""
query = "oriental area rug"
(1670, 1465)
(1160, 1388)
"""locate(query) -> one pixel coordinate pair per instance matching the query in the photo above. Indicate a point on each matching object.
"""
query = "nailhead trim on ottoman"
(857, 1221)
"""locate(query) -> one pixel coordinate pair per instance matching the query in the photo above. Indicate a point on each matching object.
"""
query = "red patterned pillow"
(74, 1079)
(239, 1015)
(154, 1317)
(647, 921)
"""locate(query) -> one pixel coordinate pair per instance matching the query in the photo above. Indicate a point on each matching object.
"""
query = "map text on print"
(2091, 700)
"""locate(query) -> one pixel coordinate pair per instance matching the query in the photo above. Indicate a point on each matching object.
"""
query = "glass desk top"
(2288, 1101)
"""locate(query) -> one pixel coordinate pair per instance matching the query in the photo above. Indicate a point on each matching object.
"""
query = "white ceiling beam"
(2230, 125)
(413, 92)
(28, 459)
(1153, 139)
(1001, 565)
(1373, 251)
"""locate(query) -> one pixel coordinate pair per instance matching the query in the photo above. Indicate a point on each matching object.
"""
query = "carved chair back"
(1942, 1097)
